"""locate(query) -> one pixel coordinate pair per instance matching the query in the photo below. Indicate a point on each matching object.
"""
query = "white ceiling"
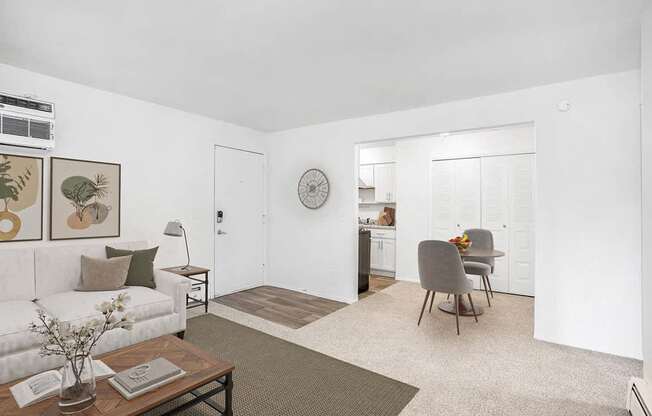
(278, 64)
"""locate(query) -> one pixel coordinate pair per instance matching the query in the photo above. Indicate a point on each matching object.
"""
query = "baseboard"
(217, 295)
(310, 292)
(383, 273)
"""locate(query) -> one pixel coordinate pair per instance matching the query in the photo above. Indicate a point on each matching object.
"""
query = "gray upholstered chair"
(441, 270)
(481, 266)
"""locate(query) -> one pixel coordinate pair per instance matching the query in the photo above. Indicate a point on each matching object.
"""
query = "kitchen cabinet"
(366, 175)
(385, 182)
(383, 250)
(388, 255)
(376, 254)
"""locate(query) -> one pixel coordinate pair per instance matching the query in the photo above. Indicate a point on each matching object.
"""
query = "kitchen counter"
(377, 227)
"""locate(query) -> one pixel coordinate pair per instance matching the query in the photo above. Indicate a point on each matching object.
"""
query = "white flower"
(104, 307)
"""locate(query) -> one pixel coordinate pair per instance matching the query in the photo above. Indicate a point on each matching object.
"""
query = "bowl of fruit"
(462, 243)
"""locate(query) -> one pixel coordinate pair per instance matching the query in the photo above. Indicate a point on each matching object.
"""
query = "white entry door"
(239, 220)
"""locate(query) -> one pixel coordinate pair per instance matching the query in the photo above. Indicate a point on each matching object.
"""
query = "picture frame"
(21, 198)
(85, 199)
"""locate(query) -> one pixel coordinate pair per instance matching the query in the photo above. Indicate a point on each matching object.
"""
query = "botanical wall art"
(21, 198)
(84, 199)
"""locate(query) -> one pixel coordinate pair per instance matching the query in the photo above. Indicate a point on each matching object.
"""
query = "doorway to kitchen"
(437, 187)
(376, 217)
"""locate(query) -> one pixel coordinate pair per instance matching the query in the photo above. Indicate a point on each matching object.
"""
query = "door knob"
(220, 232)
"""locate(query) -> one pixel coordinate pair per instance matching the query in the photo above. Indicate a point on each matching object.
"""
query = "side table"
(192, 302)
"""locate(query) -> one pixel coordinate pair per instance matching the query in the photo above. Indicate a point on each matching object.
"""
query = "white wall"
(383, 153)
(166, 157)
(646, 112)
(413, 201)
(588, 207)
(508, 140)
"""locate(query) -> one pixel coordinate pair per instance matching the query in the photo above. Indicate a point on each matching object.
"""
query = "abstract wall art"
(21, 198)
(84, 199)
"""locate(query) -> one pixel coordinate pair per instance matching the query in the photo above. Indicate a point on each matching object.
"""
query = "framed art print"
(84, 199)
(21, 198)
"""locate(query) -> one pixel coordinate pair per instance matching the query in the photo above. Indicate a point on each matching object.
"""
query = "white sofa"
(45, 278)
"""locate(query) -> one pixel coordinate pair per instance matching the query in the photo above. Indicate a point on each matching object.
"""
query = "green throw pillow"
(141, 269)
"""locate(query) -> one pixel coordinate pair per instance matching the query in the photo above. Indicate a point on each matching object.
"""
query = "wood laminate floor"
(376, 284)
(285, 307)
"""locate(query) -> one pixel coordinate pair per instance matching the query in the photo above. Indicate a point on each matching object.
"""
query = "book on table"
(47, 384)
(145, 377)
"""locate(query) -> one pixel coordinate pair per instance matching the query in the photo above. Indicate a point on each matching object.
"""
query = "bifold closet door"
(508, 212)
(495, 214)
(443, 200)
(521, 224)
(456, 199)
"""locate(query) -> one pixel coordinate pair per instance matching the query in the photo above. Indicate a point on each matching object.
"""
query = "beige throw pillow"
(104, 274)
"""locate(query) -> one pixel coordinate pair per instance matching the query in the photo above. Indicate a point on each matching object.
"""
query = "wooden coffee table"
(202, 370)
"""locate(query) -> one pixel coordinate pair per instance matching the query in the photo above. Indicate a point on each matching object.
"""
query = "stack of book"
(145, 377)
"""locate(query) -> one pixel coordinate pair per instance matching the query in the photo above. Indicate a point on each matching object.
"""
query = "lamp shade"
(174, 229)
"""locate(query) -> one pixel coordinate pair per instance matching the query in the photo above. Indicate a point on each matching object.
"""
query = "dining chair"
(441, 270)
(481, 266)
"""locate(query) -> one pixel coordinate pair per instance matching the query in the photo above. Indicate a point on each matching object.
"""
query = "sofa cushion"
(141, 269)
(17, 274)
(15, 335)
(79, 307)
(103, 274)
(58, 268)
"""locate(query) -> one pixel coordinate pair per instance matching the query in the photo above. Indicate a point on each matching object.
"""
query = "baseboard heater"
(638, 397)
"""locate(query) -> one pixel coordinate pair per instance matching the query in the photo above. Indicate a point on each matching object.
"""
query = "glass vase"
(77, 391)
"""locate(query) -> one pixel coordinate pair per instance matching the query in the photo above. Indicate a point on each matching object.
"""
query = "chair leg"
(423, 308)
(457, 312)
(490, 289)
(486, 291)
(432, 299)
(472, 307)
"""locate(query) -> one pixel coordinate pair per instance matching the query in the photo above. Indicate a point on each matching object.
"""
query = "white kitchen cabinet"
(388, 253)
(376, 254)
(367, 175)
(385, 182)
(383, 250)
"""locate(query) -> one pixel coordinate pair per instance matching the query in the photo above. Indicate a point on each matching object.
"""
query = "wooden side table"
(192, 302)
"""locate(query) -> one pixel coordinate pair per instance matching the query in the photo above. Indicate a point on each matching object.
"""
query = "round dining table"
(448, 306)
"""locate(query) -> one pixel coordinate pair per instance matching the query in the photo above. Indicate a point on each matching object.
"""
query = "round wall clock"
(313, 188)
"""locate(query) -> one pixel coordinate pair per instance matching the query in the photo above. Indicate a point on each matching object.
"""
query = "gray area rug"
(275, 377)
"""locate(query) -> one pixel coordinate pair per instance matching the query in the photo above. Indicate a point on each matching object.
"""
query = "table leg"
(465, 308)
(206, 294)
(228, 395)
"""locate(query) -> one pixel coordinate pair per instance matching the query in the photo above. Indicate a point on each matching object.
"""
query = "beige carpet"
(494, 368)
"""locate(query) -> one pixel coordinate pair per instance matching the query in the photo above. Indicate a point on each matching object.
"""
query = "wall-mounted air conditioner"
(26, 122)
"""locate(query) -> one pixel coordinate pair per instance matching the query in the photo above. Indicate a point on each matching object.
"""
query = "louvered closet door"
(495, 214)
(456, 199)
(443, 200)
(468, 200)
(521, 224)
